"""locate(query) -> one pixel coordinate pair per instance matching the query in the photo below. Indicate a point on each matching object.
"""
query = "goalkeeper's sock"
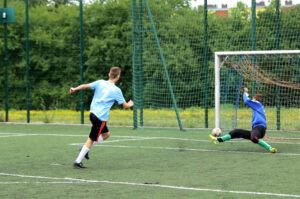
(264, 144)
(82, 153)
(224, 138)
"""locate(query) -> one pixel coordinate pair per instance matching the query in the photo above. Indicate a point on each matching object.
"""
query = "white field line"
(52, 182)
(133, 137)
(8, 136)
(124, 140)
(278, 142)
(74, 180)
(233, 140)
(38, 134)
(186, 149)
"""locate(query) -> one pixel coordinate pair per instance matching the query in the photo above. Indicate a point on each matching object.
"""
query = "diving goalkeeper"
(259, 124)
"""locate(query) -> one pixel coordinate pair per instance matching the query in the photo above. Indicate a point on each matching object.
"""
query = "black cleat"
(86, 155)
(78, 165)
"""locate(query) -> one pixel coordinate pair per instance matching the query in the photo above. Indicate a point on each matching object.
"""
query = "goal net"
(273, 74)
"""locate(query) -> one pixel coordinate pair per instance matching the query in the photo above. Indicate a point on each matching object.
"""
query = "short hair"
(114, 72)
(258, 97)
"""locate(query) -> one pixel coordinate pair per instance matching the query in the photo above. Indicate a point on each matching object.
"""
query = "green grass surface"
(36, 162)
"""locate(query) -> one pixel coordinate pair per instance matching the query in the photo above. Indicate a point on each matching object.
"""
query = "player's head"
(114, 73)
(258, 97)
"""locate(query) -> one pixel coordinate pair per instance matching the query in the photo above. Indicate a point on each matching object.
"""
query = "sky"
(232, 3)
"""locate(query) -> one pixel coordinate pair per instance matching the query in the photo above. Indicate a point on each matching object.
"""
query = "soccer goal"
(274, 74)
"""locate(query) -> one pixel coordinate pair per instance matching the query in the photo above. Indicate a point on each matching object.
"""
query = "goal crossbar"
(261, 52)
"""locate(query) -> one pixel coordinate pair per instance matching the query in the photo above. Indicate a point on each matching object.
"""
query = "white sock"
(99, 140)
(82, 153)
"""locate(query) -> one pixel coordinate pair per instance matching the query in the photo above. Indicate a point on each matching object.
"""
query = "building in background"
(260, 6)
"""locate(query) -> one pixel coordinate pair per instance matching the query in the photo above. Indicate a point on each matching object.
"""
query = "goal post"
(275, 74)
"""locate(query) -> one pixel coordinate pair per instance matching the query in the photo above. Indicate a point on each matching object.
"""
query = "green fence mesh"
(181, 33)
(121, 33)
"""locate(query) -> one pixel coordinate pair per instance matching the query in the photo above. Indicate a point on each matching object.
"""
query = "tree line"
(55, 54)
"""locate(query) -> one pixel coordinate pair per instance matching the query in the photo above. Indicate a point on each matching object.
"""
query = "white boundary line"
(53, 182)
(186, 149)
(76, 180)
(6, 135)
(37, 134)
(124, 140)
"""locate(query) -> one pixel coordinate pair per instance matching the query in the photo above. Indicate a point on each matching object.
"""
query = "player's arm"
(248, 101)
(246, 97)
(120, 99)
(128, 104)
(82, 86)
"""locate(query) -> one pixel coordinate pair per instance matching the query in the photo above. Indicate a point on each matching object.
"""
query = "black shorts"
(98, 128)
(257, 133)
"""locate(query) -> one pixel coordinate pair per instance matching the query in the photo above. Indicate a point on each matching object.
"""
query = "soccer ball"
(216, 132)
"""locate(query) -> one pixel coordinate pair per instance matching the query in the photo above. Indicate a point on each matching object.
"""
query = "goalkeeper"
(259, 124)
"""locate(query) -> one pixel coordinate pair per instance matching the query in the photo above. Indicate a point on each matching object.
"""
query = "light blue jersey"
(259, 116)
(105, 95)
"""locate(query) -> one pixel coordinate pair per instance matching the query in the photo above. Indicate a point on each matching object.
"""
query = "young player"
(105, 95)
(259, 124)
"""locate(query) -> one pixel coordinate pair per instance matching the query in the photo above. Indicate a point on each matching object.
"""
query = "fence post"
(253, 9)
(27, 63)
(164, 65)
(277, 62)
(5, 66)
(81, 63)
(205, 64)
(141, 62)
(135, 125)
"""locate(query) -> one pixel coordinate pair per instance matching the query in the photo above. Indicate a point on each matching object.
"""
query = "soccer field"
(36, 162)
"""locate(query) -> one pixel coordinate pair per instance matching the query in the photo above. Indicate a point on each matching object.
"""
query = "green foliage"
(54, 47)
(241, 11)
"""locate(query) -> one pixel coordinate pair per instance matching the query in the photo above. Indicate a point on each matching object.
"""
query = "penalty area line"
(6, 135)
(186, 149)
(73, 180)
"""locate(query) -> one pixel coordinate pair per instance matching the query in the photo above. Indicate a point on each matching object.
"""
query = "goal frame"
(220, 54)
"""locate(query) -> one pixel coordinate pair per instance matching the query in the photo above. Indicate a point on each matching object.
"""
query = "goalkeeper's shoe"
(86, 155)
(213, 139)
(273, 150)
(78, 165)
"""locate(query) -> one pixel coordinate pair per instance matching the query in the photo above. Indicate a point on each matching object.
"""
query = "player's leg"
(236, 133)
(89, 143)
(98, 134)
(103, 133)
(256, 137)
(95, 132)
(239, 133)
(84, 151)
